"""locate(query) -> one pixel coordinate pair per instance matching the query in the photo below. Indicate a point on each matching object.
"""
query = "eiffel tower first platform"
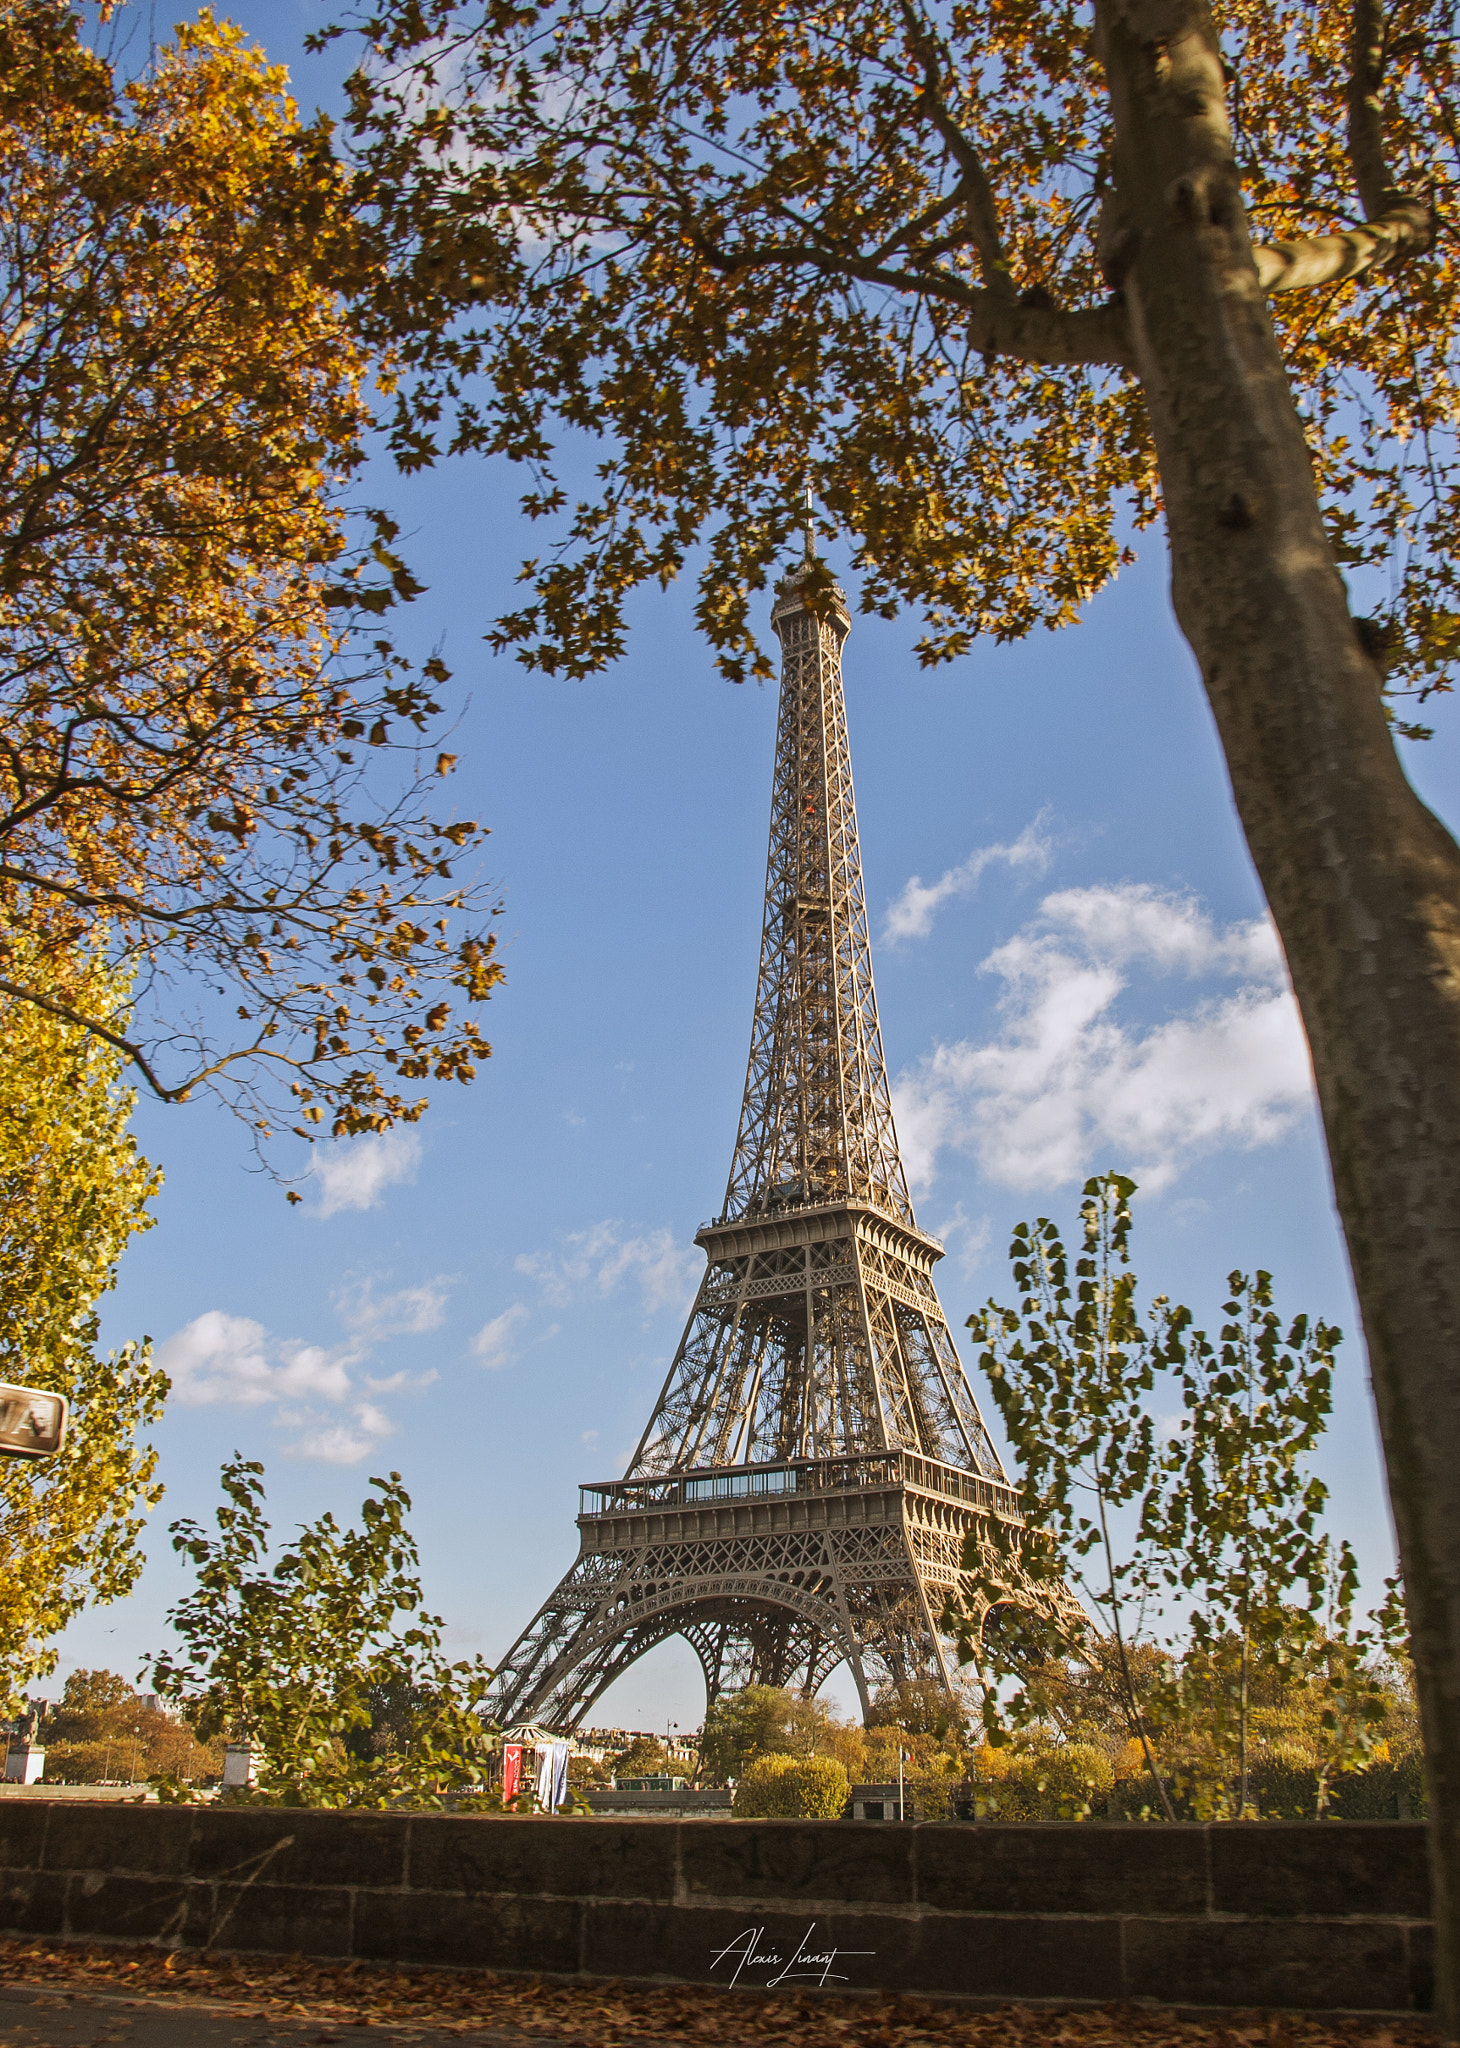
(816, 1460)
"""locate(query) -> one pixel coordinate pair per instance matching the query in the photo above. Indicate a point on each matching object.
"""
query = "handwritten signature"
(807, 1965)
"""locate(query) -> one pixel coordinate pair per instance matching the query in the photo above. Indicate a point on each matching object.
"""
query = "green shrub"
(930, 1794)
(1071, 1781)
(1282, 1783)
(792, 1788)
(1068, 1782)
(1391, 1790)
(1137, 1798)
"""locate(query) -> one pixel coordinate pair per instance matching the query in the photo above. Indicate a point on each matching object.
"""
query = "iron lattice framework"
(816, 1459)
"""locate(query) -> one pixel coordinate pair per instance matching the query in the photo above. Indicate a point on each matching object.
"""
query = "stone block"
(100, 1905)
(23, 1831)
(97, 1835)
(1367, 1869)
(32, 1902)
(1420, 1942)
(545, 1858)
(748, 1950)
(501, 1933)
(977, 1955)
(853, 1862)
(287, 1845)
(1314, 1965)
(280, 1919)
(1061, 1867)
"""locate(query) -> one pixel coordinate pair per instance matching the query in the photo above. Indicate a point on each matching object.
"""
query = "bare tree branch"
(131, 1052)
(994, 325)
(1380, 195)
(1397, 224)
(974, 187)
(1328, 259)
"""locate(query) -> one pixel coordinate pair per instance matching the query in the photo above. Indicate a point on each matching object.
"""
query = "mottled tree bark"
(1363, 881)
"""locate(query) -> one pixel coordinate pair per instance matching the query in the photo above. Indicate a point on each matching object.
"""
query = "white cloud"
(354, 1173)
(1067, 1087)
(967, 1238)
(910, 915)
(395, 1382)
(344, 1443)
(218, 1357)
(223, 1360)
(312, 1372)
(1132, 921)
(492, 1343)
(410, 1312)
(602, 1257)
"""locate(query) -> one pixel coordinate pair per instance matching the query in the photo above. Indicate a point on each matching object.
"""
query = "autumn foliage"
(792, 1788)
(607, 2015)
(199, 711)
(73, 1192)
(102, 1730)
(880, 249)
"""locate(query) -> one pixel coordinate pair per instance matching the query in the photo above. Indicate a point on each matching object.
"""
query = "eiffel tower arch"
(805, 1485)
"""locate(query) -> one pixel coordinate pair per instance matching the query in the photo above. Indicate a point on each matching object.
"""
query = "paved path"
(33, 2017)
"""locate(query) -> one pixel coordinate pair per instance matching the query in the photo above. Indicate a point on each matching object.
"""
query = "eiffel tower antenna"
(802, 1492)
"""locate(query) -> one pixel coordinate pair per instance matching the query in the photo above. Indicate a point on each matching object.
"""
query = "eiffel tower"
(816, 1459)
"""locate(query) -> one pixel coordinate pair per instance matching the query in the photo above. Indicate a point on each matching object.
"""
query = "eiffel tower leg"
(854, 1656)
(935, 1637)
(535, 1666)
(774, 1642)
(788, 1652)
(889, 1604)
(713, 1644)
(559, 1693)
(758, 1612)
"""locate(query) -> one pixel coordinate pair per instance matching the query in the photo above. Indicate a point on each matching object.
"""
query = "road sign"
(32, 1422)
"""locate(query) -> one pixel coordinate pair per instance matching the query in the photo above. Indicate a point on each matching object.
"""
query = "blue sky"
(1073, 969)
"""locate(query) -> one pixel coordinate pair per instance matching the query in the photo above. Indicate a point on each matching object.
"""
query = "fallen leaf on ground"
(624, 2015)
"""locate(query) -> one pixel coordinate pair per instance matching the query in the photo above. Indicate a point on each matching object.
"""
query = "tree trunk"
(1363, 882)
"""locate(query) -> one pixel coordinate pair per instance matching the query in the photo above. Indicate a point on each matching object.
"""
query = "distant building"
(879, 1802)
(605, 1743)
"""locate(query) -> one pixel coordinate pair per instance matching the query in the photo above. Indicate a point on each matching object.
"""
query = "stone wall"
(1330, 1915)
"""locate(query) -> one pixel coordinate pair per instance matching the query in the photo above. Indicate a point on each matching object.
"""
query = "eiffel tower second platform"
(816, 1461)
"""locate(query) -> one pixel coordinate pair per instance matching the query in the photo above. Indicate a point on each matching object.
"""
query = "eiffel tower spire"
(817, 1116)
(816, 1458)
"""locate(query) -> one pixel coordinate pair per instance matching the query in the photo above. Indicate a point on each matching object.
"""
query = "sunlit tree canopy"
(209, 750)
(875, 249)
